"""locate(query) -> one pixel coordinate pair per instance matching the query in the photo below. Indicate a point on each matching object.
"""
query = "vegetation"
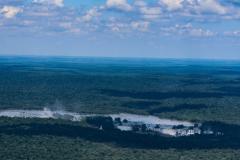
(105, 123)
(61, 148)
(188, 90)
(58, 139)
(225, 135)
(197, 90)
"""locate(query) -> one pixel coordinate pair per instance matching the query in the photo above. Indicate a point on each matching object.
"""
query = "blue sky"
(121, 28)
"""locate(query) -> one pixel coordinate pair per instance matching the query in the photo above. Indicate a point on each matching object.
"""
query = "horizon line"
(122, 57)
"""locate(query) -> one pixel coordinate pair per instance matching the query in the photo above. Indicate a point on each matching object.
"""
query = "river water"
(46, 113)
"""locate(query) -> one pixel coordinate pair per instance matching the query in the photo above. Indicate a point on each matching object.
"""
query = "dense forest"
(198, 91)
(31, 127)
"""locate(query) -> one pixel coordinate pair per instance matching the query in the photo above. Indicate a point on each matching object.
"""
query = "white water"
(150, 120)
(46, 113)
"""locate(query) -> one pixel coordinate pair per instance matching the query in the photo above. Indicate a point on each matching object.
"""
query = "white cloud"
(119, 4)
(166, 13)
(41, 14)
(123, 27)
(140, 25)
(150, 12)
(172, 4)
(59, 3)
(211, 6)
(140, 3)
(232, 33)
(28, 22)
(90, 14)
(187, 30)
(69, 27)
(118, 27)
(10, 11)
(198, 6)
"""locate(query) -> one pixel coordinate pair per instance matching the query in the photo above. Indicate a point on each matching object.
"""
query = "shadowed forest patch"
(230, 139)
(179, 108)
(161, 95)
(140, 104)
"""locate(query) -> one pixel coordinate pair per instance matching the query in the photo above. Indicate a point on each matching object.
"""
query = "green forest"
(184, 90)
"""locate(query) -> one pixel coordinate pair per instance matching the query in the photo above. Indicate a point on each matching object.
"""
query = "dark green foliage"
(162, 95)
(105, 122)
(47, 147)
(118, 121)
(178, 127)
(187, 89)
(184, 89)
(141, 104)
(178, 108)
(32, 127)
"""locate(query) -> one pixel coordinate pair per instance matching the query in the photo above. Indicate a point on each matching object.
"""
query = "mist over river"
(73, 116)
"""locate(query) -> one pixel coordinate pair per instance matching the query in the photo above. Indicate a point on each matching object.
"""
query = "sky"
(121, 28)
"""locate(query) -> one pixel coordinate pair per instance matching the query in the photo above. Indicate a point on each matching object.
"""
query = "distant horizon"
(120, 57)
(124, 58)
